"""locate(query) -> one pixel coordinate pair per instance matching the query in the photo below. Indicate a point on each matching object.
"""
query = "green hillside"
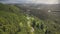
(12, 21)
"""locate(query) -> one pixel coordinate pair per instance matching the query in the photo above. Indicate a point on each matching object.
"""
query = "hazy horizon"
(31, 1)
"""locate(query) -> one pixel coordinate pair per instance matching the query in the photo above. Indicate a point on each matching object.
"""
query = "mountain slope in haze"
(13, 21)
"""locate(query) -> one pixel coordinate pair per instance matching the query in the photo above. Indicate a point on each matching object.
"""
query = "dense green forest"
(13, 21)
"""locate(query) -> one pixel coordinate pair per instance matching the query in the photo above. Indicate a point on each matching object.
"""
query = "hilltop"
(14, 21)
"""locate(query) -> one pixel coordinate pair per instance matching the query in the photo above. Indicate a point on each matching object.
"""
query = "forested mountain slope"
(12, 21)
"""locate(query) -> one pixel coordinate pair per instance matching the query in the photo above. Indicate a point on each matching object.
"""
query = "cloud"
(30, 1)
(47, 1)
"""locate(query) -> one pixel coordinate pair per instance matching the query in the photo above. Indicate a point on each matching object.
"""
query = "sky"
(31, 1)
